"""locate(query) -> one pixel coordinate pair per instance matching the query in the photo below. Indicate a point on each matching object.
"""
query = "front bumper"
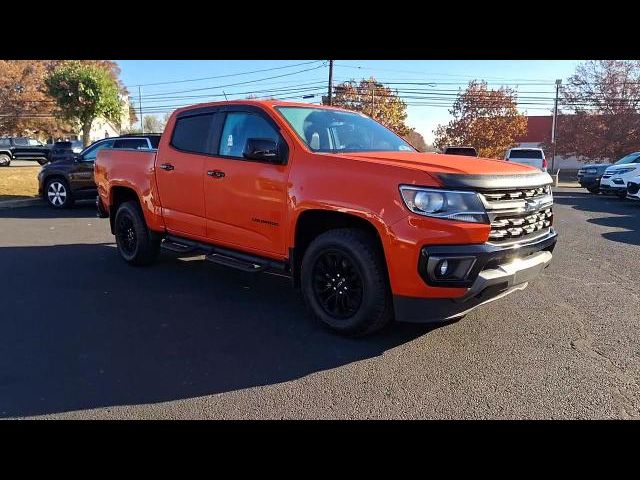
(633, 191)
(613, 186)
(589, 182)
(613, 190)
(497, 272)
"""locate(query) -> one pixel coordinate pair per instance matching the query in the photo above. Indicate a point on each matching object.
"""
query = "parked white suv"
(614, 179)
(633, 188)
(533, 157)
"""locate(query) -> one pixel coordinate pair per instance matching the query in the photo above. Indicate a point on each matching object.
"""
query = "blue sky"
(439, 79)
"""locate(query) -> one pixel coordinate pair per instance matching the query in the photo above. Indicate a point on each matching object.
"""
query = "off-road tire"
(361, 260)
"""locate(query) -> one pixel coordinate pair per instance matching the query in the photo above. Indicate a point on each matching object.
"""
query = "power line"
(237, 83)
(358, 67)
(227, 75)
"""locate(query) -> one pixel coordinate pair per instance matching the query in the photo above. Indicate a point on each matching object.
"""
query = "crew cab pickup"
(367, 227)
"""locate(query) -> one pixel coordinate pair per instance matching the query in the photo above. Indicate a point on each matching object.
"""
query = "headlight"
(445, 204)
(77, 150)
(621, 171)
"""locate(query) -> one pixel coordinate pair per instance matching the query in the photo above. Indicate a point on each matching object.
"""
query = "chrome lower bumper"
(510, 275)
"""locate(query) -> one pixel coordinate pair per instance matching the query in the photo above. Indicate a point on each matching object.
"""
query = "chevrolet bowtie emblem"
(531, 205)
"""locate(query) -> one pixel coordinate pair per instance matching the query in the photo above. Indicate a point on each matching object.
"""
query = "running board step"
(178, 247)
(236, 263)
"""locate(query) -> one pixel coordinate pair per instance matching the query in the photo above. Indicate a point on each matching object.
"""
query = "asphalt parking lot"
(83, 335)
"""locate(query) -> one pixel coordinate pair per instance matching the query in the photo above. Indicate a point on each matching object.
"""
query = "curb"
(27, 202)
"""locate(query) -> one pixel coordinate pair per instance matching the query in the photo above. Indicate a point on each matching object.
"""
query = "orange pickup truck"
(370, 229)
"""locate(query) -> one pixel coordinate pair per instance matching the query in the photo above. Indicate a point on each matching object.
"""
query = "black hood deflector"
(494, 182)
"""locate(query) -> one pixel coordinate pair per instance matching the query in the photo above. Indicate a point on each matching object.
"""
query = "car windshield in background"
(631, 158)
(525, 154)
(469, 152)
(327, 130)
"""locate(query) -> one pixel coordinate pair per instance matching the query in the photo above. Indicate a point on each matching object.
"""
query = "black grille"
(633, 188)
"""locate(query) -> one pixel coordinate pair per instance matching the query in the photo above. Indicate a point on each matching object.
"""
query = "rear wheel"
(345, 283)
(137, 245)
(594, 190)
(5, 160)
(58, 194)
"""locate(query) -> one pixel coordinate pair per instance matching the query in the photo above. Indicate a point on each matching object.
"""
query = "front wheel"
(344, 282)
(58, 194)
(137, 245)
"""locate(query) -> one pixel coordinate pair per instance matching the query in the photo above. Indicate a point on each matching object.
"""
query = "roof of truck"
(267, 103)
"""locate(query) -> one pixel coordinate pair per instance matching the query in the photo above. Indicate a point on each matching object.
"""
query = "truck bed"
(134, 169)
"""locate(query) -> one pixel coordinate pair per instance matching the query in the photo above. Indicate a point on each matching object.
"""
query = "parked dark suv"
(22, 148)
(70, 178)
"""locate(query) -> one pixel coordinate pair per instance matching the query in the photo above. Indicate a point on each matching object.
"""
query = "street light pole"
(553, 126)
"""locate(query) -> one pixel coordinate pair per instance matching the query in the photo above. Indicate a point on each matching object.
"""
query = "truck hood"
(457, 171)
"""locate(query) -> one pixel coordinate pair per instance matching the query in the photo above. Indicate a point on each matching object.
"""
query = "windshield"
(326, 130)
(631, 158)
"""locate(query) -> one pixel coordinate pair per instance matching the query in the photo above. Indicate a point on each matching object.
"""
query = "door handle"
(216, 173)
(167, 166)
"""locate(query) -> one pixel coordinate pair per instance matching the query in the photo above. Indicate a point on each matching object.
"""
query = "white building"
(103, 128)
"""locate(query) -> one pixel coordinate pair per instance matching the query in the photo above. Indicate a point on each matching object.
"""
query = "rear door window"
(194, 134)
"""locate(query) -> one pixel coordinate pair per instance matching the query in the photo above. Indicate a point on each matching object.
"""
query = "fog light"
(443, 267)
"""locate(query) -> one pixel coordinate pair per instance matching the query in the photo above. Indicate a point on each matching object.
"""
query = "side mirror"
(262, 149)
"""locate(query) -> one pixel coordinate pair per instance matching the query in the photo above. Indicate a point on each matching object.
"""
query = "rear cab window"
(526, 154)
(471, 152)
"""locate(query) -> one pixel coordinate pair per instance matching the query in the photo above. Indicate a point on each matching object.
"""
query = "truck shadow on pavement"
(624, 214)
(81, 329)
(82, 209)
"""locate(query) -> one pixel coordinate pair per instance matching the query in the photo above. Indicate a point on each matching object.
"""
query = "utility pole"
(330, 88)
(553, 127)
(140, 105)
